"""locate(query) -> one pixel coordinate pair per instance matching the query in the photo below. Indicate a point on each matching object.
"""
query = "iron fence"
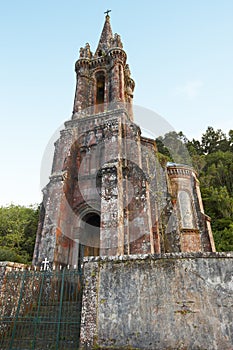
(41, 310)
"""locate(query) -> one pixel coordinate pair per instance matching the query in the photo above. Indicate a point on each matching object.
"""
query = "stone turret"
(103, 79)
(191, 224)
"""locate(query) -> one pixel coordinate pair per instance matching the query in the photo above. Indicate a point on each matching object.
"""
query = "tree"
(230, 140)
(213, 141)
(173, 146)
(194, 147)
(218, 170)
(218, 202)
(18, 226)
(224, 239)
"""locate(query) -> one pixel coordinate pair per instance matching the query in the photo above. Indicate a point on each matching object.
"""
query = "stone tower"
(108, 194)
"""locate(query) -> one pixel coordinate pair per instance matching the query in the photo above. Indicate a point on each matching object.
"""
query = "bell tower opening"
(100, 91)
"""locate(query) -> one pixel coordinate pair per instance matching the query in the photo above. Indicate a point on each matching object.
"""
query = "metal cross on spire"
(107, 12)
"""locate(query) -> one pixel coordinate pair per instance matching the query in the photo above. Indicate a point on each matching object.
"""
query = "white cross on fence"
(45, 263)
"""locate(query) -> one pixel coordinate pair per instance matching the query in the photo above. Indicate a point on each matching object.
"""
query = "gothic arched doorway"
(91, 231)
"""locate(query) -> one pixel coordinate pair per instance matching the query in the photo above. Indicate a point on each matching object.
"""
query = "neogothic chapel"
(108, 194)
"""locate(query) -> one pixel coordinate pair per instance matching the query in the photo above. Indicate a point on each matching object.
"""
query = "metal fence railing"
(41, 310)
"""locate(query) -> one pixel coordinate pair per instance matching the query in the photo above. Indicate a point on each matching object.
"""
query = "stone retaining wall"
(169, 301)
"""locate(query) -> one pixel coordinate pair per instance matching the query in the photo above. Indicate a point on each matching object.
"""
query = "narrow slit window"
(100, 90)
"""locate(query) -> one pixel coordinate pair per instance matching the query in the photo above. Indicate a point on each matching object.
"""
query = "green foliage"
(218, 202)
(163, 160)
(218, 171)
(173, 145)
(7, 254)
(162, 149)
(224, 239)
(18, 226)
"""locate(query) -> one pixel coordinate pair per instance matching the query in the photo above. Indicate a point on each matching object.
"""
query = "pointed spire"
(105, 38)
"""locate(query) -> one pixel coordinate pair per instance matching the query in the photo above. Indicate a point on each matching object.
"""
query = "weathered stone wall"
(9, 293)
(169, 301)
(5, 267)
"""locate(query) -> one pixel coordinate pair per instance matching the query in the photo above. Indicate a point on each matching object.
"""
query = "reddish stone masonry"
(108, 194)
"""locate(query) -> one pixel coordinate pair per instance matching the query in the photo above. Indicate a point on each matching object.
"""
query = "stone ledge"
(188, 255)
(86, 114)
(13, 265)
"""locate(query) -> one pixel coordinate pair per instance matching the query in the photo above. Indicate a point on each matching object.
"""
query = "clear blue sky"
(180, 54)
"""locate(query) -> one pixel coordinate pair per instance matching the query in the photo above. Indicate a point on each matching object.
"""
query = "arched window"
(90, 236)
(186, 210)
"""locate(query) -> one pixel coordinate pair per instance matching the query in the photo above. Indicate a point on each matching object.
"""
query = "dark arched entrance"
(91, 231)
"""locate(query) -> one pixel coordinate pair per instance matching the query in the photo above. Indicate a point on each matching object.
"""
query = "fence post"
(18, 308)
(60, 309)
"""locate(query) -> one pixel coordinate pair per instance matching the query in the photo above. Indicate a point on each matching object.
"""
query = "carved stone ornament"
(116, 41)
(85, 52)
